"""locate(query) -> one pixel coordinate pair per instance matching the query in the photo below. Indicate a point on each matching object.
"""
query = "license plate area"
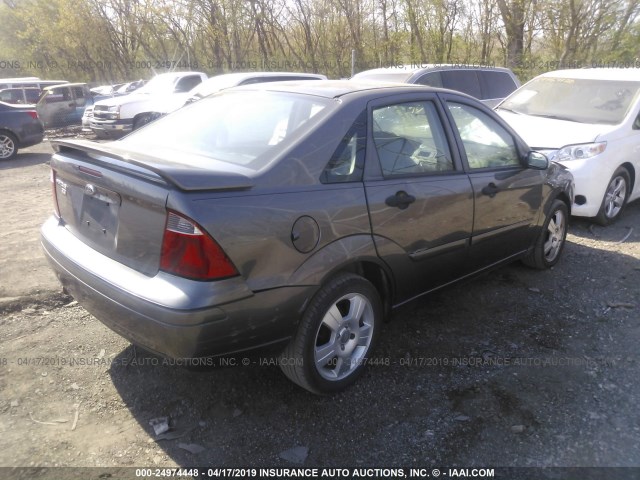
(90, 211)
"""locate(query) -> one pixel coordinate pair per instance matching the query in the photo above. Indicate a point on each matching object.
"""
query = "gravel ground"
(517, 368)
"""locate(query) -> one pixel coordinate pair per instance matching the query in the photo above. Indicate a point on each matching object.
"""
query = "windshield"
(213, 85)
(159, 85)
(242, 128)
(573, 99)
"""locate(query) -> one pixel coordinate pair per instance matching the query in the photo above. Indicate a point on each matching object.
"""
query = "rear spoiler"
(184, 177)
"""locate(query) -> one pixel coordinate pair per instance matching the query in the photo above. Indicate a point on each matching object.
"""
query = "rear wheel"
(8, 146)
(615, 198)
(550, 243)
(337, 332)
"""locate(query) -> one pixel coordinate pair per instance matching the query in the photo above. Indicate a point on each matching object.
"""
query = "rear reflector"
(188, 251)
(56, 208)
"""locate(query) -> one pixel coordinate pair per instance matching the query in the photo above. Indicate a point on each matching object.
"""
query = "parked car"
(20, 127)
(118, 116)
(20, 95)
(297, 220)
(488, 84)
(64, 104)
(228, 80)
(588, 120)
(117, 90)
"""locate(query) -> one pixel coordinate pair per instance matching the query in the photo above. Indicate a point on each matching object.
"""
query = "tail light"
(33, 114)
(56, 207)
(188, 251)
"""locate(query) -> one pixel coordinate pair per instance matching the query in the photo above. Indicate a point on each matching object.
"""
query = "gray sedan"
(295, 217)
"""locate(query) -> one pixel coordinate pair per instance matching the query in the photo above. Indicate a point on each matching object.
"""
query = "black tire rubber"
(4, 135)
(142, 120)
(601, 218)
(536, 258)
(297, 360)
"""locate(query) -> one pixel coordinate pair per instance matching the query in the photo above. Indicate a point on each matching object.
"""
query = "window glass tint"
(409, 139)
(496, 84)
(465, 81)
(432, 79)
(347, 162)
(486, 143)
(254, 125)
(32, 95)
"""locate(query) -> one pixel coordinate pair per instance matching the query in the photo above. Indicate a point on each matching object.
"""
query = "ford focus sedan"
(589, 121)
(295, 217)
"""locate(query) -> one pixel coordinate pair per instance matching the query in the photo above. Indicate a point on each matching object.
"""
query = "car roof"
(339, 88)
(50, 87)
(244, 75)
(411, 69)
(176, 74)
(18, 88)
(628, 74)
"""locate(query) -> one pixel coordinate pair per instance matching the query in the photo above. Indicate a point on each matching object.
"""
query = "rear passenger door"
(420, 200)
(507, 194)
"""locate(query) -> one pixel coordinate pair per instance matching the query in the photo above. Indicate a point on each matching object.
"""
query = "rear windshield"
(243, 128)
(577, 100)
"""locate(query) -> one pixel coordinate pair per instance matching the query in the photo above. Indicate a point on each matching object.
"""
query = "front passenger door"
(507, 194)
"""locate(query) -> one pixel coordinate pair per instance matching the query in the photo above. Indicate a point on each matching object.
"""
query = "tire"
(8, 146)
(143, 119)
(615, 198)
(549, 245)
(338, 330)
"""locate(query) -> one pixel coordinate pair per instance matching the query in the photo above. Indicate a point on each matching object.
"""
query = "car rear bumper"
(174, 317)
(31, 139)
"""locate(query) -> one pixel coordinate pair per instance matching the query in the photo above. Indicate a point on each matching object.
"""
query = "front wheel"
(550, 243)
(337, 332)
(615, 198)
(143, 120)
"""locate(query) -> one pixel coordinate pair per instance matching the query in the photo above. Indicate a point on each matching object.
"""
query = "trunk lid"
(115, 200)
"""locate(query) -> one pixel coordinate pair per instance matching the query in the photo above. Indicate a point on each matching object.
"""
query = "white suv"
(589, 121)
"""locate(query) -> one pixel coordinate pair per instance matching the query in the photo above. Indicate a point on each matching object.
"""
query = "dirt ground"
(518, 368)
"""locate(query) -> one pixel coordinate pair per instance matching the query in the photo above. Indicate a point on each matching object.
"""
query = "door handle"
(400, 200)
(490, 190)
(71, 105)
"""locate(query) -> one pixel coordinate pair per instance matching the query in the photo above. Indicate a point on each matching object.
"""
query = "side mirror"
(636, 124)
(537, 161)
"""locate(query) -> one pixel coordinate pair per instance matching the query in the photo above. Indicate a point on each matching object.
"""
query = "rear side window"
(347, 162)
(431, 79)
(496, 84)
(187, 83)
(410, 140)
(465, 81)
